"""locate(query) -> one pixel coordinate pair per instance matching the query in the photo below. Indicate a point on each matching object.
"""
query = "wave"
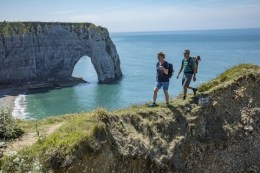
(19, 111)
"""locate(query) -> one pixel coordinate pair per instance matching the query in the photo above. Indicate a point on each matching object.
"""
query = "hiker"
(189, 70)
(162, 78)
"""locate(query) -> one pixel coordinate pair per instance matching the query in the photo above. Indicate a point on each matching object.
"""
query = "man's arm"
(194, 71)
(180, 71)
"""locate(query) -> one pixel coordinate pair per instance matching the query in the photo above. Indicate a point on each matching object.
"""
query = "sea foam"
(20, 107)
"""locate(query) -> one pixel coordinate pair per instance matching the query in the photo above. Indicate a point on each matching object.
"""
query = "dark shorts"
(165, 85)
(186, 79)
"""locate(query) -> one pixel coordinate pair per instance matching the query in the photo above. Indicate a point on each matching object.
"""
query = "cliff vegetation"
(12, 28)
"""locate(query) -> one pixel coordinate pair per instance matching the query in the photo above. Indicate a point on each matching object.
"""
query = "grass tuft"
(229, 75)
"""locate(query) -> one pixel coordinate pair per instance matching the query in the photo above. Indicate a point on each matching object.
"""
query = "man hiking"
(162, 78)
(189, 71)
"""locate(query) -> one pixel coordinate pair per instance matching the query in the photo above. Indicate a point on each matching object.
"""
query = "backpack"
(196, 60)
(196, 63)
(170, 70)
(192, 69)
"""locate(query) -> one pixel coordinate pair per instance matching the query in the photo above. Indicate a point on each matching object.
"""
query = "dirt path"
(28, 139)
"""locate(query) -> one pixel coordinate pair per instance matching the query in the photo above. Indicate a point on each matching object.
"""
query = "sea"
(218, 49)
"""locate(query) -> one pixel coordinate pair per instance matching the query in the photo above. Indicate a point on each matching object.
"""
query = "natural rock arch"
(85, 70)
(36, 52)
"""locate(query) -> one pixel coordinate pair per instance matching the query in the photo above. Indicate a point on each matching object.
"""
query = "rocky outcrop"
(36, 52)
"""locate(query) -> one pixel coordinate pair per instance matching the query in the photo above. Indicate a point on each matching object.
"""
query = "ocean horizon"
(219, 50)
(185, 30)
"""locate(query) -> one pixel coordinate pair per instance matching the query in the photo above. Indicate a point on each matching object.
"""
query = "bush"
(8, 126)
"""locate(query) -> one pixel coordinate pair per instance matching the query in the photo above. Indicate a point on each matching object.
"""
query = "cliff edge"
(216, 131)
(45, 53)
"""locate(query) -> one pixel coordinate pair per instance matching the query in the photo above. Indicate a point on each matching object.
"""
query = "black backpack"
(170, 70)
(196, 62)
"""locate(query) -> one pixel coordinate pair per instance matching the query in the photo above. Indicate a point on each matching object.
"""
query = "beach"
(8, 96)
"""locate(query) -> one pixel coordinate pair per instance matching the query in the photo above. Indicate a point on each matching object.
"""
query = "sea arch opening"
(85, 69)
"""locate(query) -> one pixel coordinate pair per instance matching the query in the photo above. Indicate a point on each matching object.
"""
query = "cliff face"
(33, 52)
(220, 134)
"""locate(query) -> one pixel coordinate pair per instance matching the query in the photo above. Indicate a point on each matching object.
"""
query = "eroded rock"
(36, 52)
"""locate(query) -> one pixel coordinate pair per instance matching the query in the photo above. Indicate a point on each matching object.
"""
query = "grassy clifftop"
(229, 76)
(13, 28)
(178, 138)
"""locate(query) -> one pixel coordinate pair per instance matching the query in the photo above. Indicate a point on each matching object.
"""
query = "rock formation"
(37, 52)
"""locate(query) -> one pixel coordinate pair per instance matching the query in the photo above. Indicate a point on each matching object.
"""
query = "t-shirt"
(186, 66)
(160, 75)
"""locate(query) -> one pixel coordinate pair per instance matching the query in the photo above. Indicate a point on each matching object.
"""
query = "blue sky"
(138, 15)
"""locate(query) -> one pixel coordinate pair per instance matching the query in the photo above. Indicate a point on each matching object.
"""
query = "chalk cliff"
(38, 52)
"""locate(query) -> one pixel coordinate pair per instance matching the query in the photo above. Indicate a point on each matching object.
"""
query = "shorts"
(186, 79)
(165, 85)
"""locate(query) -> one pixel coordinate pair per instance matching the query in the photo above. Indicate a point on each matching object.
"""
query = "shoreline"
(9, 94)
(8, 97)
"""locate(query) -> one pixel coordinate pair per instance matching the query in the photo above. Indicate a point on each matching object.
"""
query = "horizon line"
(144, 31)
(184, 30)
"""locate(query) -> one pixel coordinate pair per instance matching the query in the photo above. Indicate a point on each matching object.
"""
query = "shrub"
(8, 126)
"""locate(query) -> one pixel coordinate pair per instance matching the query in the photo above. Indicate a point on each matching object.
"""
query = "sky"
(138, 15)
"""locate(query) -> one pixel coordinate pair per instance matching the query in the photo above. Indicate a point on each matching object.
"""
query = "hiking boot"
(194, 90)
(184, 98)
(153, 105)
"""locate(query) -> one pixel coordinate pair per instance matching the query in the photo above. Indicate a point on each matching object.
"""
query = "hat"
(186, 51)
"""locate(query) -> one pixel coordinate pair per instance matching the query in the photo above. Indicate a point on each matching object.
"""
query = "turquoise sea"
(219, 50)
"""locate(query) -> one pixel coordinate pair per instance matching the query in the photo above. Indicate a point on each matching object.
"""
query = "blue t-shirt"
(188, 65)
(160, 75)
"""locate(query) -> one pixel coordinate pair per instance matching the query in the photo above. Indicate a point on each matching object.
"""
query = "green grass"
(228, 76)
(76, 128)
(12, 28)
